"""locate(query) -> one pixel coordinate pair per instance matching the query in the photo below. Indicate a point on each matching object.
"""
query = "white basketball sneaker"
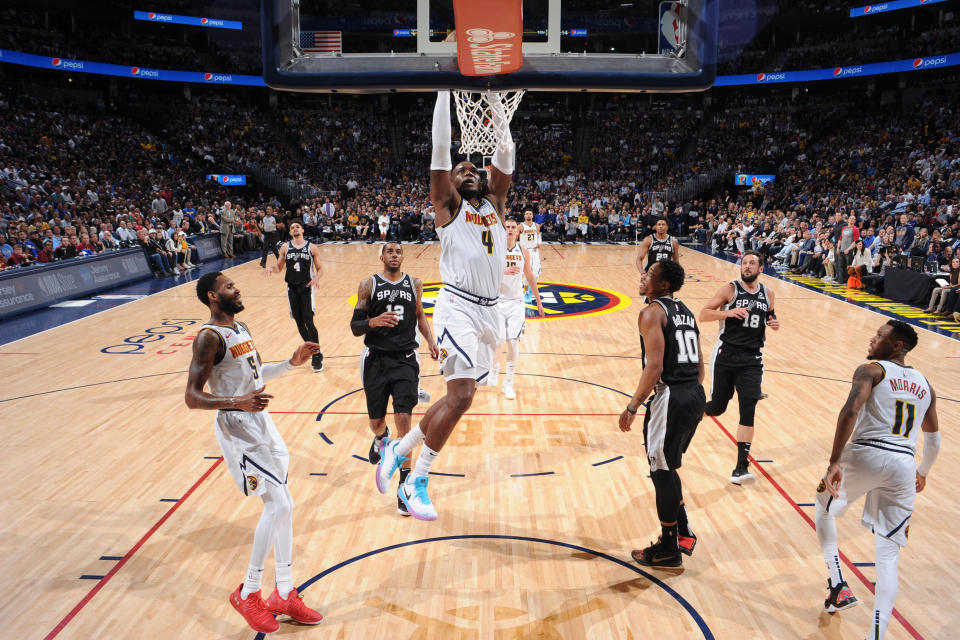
(389, 463)
(422, 396)
(413, 494)
(508, 391)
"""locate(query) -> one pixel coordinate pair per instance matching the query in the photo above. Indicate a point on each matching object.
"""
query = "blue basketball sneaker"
(389, 463)
(414, 497)
(527, 296)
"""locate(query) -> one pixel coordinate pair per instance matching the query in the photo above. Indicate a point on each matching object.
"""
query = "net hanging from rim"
(481, 116)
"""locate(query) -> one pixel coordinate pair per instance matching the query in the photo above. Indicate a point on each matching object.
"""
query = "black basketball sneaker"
(374, 454)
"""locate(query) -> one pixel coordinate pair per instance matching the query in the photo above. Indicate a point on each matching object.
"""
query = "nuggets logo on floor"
(560, 300)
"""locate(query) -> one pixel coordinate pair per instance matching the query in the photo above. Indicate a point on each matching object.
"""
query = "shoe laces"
(420, 488)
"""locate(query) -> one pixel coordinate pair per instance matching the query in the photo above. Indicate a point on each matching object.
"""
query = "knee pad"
(748, 410)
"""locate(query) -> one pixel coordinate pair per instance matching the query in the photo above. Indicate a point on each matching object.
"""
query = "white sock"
(276, 507)
(888, 555)
(513, 354)
(409, 441)
(424, 461)
(827, 535)
(283, 547)
(252, 582)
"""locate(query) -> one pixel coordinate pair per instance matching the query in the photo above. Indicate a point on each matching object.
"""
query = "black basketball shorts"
(669, 424)
(386, 374)
(740, 369)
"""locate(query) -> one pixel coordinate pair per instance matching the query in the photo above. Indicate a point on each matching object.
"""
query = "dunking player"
(473, 242)
(659, 245)
(388, 313)
(531, 240)
(225, 357)
(887, 400)
(744, 308)
(673, 367)
(302, 261)
(512, 308)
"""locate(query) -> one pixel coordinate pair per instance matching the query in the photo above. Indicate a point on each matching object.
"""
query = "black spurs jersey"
(401, 298)
(751, 332)
(299, 265)
(681, 343)
(659, 250)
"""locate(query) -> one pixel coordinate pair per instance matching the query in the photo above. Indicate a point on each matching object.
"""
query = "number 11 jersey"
(681, 340)
(891, 417)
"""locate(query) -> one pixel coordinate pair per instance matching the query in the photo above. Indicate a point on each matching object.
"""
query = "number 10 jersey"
(681, 340)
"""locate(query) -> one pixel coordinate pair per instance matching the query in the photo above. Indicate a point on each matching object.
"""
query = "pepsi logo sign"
(208, 76)
(204, 20)
(224, 179)
(57, 62)
(917, 62)
(134, 71)
(838, 71)
(761, 76)
(866, 9)
(152, 16)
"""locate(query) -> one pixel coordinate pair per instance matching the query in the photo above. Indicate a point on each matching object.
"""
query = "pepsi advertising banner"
(172, 18)
(749, 179)
(228, 179)
(849, 71)
(125, 71)
(893, 5)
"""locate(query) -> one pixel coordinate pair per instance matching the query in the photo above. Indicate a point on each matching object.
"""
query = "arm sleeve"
(931, 448)
(441, 133)
(271, 371)
(503, 157)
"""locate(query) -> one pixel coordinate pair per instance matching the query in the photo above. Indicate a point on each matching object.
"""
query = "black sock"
(743, 451)
(683, 526)
(668, 536)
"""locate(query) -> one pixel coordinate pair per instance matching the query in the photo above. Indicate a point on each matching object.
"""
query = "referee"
(268, 225)
(302, 262)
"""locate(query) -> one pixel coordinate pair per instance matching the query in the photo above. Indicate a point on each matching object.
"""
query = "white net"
(481, 116)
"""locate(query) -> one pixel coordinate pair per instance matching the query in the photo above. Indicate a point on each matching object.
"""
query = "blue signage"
(404, 33)
(749, 179)
(172, 18)
(141, 73)
(228, 179)
(893, 5)
(848, 71)
(578, 33)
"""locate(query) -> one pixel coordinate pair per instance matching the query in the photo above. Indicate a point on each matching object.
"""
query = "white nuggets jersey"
(238, 372)
(529, 236)
(472, 248)
(512, 286)
(895, 409)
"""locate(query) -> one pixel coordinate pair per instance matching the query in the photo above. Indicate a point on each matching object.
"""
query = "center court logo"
(560, 300)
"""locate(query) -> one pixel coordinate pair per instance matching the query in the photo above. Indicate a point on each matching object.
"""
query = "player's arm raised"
(206, 351)
(422, 323)
(501, 170)
(531, 280)
(711, 311)
(281, 261)
(651, 323)
(931, 441)
(676, 250)
(444, 197)
(642, 252)
(318, 269)
(864, 379)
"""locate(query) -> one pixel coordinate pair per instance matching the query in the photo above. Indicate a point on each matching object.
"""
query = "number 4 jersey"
(473, 247)
(891, 417)
(681, 340)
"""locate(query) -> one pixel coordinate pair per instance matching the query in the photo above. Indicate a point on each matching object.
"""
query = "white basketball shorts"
(887, 478)
(513, 318)
(252, 449)
(467, 336)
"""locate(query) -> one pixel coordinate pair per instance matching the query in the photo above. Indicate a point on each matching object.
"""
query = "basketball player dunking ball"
(513, 309)
(673, 367)
(531, 240)
(744, 309)
(660, 245)
(302, 261)
(887, 401)
(225, 357)
(473, 242)
(389, 311)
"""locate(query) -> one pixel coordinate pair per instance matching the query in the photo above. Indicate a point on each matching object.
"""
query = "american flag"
(321, 42)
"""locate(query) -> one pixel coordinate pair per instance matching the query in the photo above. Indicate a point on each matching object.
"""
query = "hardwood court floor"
(97, 440)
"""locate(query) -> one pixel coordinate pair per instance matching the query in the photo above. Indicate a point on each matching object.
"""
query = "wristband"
(633, 411)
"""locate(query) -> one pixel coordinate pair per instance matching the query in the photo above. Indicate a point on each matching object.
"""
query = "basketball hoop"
(480, 128)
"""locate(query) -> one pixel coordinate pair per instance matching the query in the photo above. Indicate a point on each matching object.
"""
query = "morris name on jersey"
(899, 384)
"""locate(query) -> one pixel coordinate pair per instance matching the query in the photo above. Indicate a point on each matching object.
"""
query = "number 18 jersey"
(473, 248)
(892, 415)
(681, 340)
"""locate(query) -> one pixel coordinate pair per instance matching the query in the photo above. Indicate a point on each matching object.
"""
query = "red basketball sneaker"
(254, 611)
(293, 606)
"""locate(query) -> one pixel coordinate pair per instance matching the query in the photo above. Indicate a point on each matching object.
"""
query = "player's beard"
(232, 307)
(469, 194)
(751, 278)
